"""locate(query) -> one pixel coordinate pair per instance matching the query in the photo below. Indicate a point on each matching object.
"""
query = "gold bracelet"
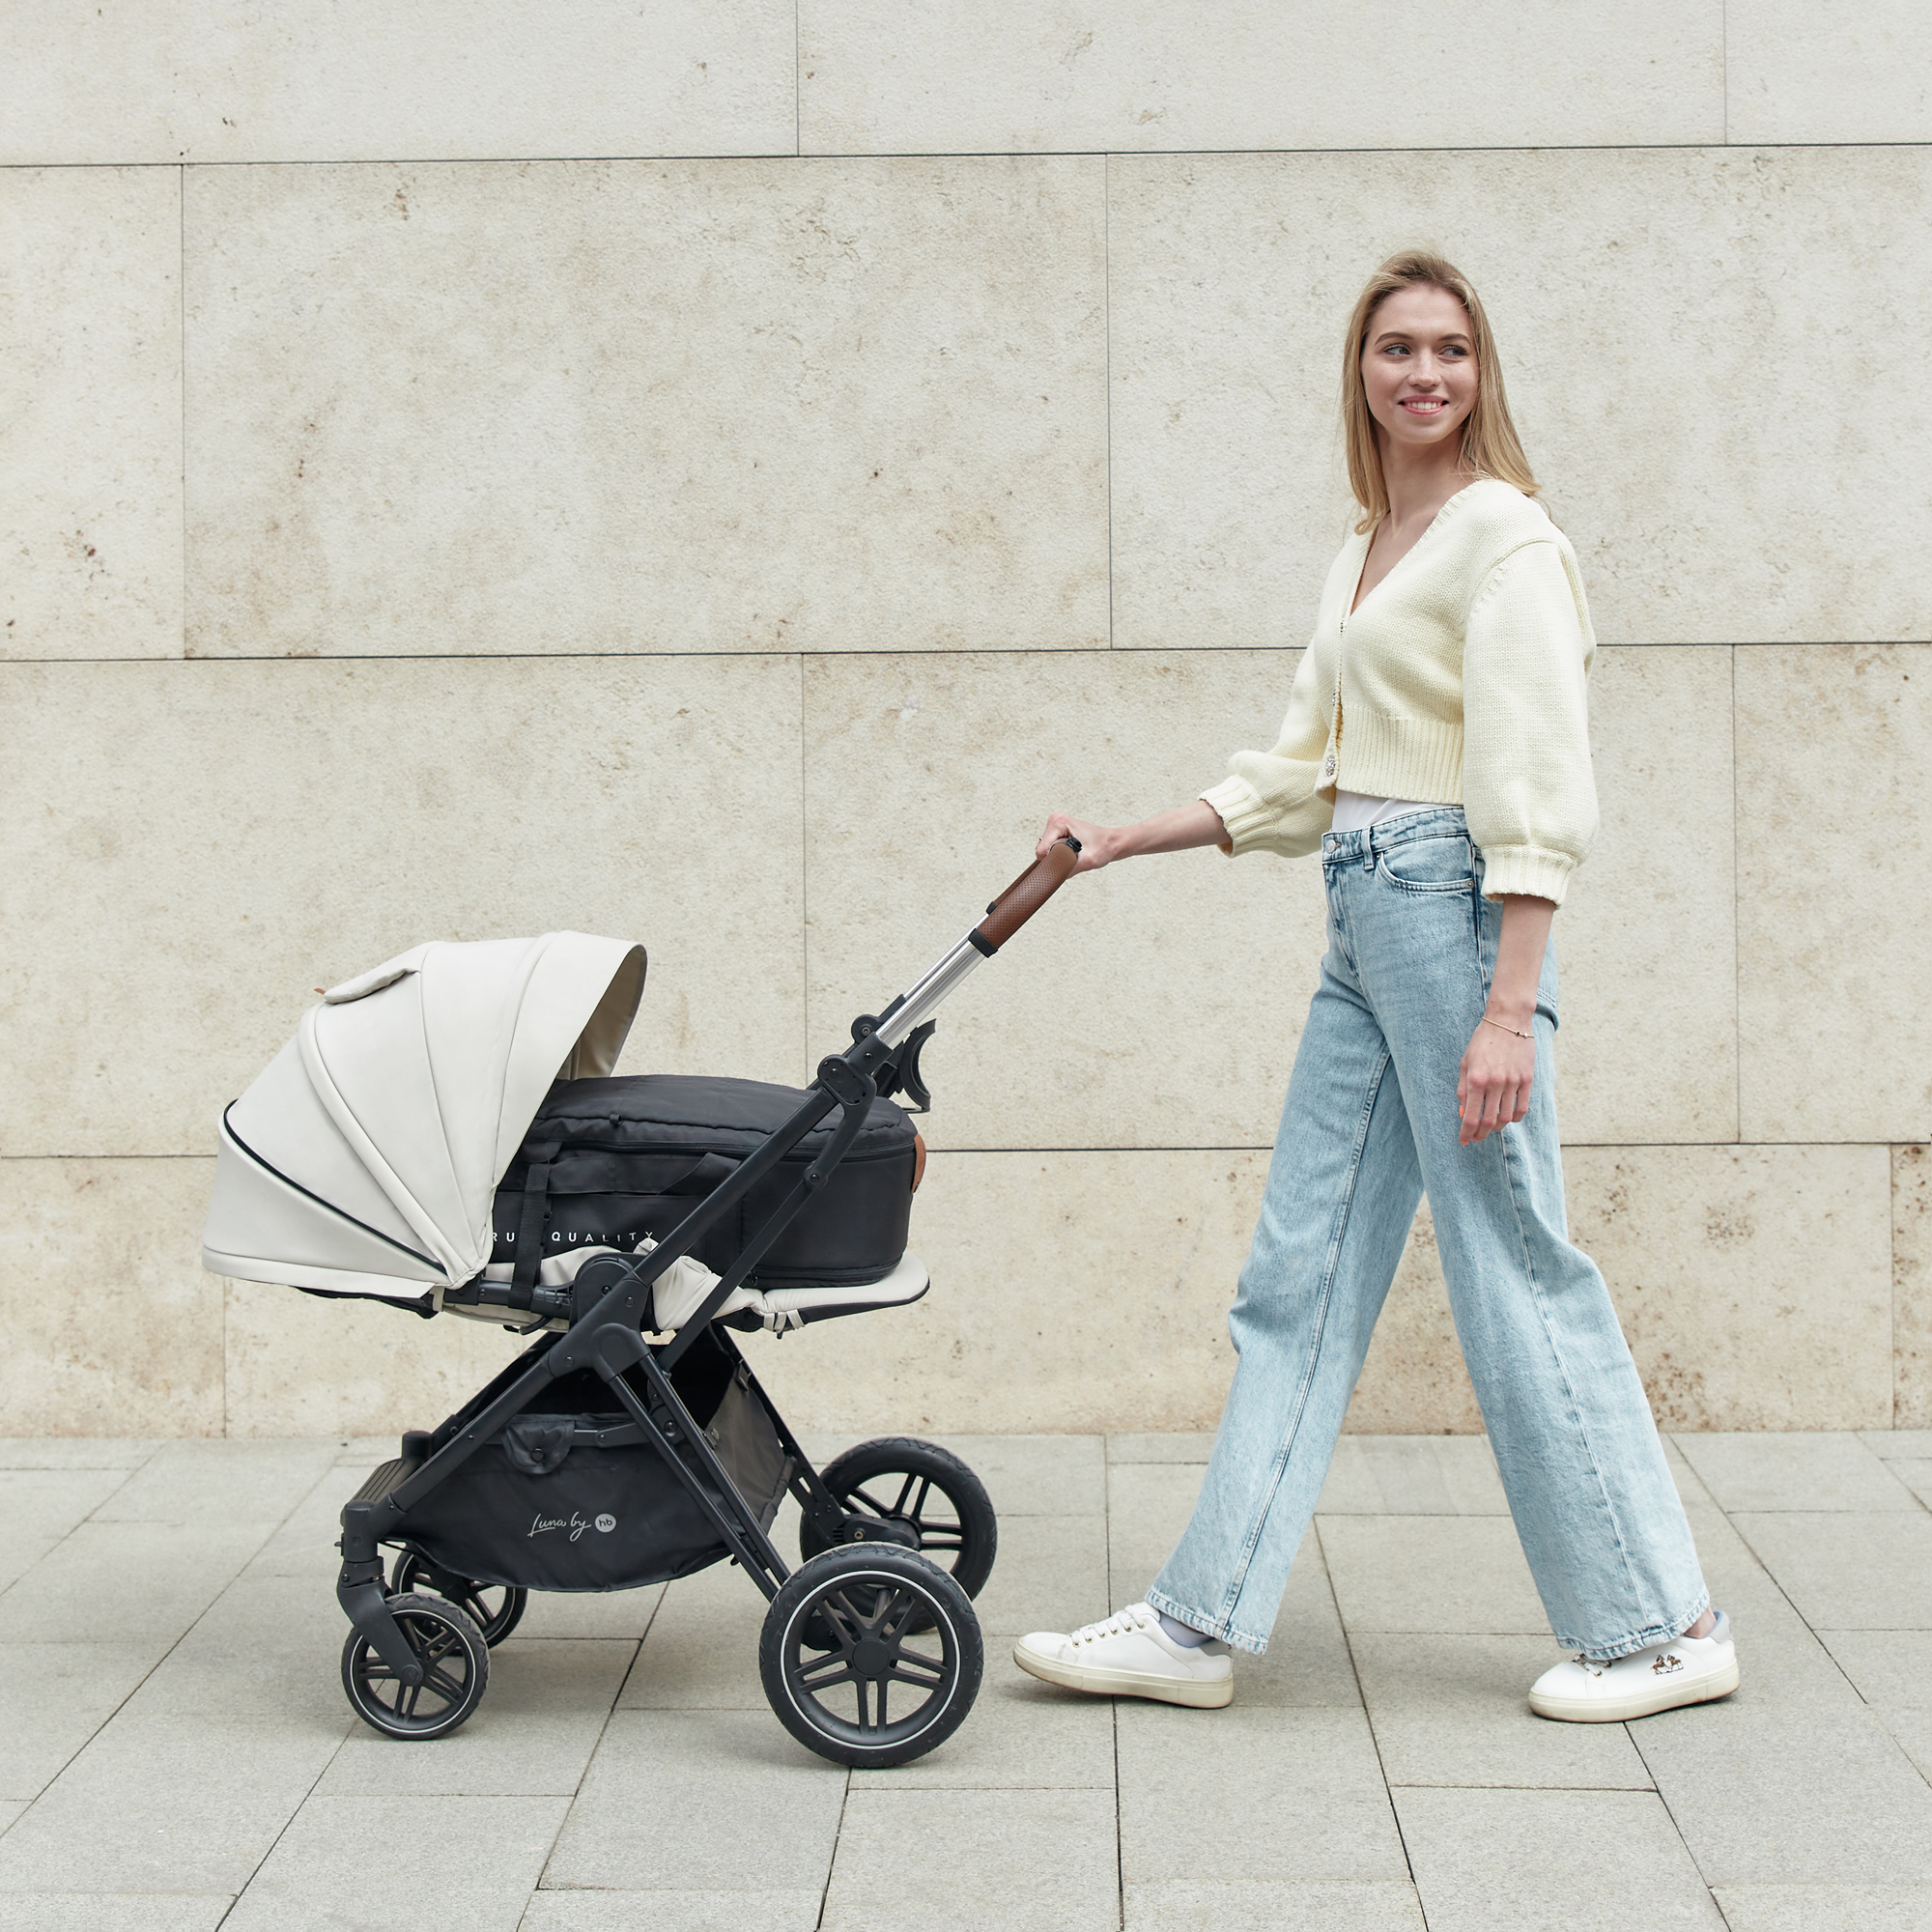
(1501, 1028)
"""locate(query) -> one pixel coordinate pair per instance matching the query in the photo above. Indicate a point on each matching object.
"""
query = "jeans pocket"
(1444, 865)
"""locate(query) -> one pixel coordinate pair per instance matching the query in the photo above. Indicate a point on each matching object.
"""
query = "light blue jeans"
(1370, 1123)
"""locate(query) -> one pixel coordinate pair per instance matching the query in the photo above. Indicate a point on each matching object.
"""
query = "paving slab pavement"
(176, 1753)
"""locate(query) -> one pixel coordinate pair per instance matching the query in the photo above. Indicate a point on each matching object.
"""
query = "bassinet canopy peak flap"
(365, 1159)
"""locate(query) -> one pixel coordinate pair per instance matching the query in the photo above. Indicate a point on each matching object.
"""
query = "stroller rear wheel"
(495, 1609)
(920, 1496)
(870, 1655)
(456, 1669)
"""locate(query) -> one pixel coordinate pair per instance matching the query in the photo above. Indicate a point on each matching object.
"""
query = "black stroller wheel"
(495, 1609)
(920, 1496)
(870, 1655)
(456, 1667)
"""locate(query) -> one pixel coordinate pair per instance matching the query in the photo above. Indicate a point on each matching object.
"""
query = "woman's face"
(1419, 367)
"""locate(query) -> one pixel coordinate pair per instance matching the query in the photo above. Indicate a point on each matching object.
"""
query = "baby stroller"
(443, 1135)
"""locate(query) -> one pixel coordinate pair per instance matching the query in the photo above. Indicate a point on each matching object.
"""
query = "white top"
(1354, 810)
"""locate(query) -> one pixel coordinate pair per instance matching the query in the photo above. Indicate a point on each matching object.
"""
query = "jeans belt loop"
(1368, 848)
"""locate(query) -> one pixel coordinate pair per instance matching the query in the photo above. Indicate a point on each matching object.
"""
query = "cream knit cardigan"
(1460, 680)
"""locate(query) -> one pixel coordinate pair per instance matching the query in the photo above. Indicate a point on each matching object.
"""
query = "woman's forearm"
(1525, 938)
(1180, 829)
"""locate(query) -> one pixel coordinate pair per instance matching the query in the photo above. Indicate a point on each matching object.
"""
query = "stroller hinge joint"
(850, 1086)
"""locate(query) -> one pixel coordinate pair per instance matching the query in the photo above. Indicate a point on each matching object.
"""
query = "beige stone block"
(1071, 1292)
(337, 80)
(692, 406)
(1127, 75)
(1835, 1042)
(1639, 297)
(1911, 1288)
(298, 1365)
(89, 410)
(1754, 1283)
(1155, 1004)
(1647, 1049)
(196, 846)
(111, 1327)
(1797, 72)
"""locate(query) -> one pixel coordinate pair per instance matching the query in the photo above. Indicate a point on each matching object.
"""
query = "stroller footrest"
(390, 1476)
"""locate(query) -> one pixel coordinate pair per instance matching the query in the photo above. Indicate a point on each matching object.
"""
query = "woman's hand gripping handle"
(1029, 892)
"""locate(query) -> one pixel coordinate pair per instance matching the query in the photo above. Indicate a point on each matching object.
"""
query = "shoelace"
(1123, 1622)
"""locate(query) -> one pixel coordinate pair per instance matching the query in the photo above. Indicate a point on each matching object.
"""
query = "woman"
(1435, 750)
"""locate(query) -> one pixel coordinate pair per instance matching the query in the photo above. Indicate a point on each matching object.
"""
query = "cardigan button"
(1328, 766)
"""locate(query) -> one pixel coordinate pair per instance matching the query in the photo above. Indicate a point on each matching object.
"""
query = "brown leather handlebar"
(1029, 892)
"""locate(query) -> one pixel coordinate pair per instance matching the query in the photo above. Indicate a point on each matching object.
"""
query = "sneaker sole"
(1646, 1704)
(1198, 1694)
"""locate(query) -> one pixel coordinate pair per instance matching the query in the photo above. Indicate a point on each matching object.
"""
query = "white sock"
(1184, 1634)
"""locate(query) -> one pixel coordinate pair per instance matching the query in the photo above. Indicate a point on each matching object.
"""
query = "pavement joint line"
(1804, 1622)
(128, 1476)
(1662, 1799)
(1369, 1718)
(832, 1858)
(241, 1890)
(591, 1757)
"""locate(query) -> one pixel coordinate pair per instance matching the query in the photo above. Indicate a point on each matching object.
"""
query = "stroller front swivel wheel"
(456, 1669)
(494, 1608)
(870, 1655)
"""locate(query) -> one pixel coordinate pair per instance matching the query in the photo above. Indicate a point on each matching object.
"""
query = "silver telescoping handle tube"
(1004, 918)
(925, 998)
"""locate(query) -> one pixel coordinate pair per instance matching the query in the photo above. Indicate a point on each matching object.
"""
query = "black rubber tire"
(496, 1620)
(892, 1618)
(453, 1650)
(963, 1543)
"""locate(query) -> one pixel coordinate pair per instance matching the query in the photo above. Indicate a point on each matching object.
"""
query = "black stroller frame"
(868, 1614)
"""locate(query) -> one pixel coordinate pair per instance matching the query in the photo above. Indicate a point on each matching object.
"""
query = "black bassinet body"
(607, 1162)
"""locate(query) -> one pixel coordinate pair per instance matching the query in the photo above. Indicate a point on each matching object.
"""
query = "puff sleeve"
(1269, 801)
(1527, 786)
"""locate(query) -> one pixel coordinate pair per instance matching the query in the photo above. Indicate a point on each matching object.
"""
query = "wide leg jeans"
(1370, 1124)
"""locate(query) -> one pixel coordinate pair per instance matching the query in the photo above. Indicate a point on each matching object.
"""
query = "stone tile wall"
(720, 473)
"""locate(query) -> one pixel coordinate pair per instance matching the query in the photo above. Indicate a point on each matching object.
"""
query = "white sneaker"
(1686, 1670)
(1130, 1655)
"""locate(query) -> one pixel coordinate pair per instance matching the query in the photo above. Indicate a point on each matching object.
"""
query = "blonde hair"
(1489, 443)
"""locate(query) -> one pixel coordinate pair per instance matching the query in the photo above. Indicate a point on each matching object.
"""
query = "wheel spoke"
(871, 1503)
(865, 1721)
(839, 1610)
(823, 1674)
(883, 1681)
(443, 1684)
(907, 1605)
(905, 1489)
(915, 1514)
(928, 1677)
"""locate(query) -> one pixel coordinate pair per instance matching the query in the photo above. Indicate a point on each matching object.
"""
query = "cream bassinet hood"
(365, 1159)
